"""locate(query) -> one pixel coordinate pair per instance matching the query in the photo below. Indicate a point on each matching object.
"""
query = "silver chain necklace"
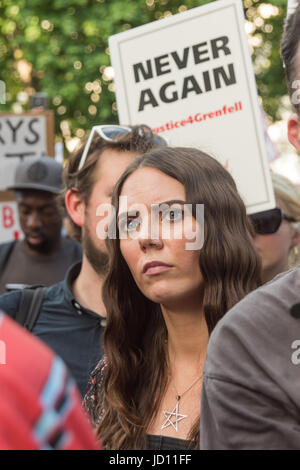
(175, 412)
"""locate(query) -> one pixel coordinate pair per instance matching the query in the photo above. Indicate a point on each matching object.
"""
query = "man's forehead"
(109, 154)
(35, 196)
(112, 163)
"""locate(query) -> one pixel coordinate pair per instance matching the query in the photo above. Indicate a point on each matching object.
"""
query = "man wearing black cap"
(44, 256)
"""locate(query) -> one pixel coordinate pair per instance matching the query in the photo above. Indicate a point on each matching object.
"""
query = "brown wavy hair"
(135, 335)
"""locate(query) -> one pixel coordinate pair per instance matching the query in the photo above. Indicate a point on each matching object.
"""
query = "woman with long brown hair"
(164, 295)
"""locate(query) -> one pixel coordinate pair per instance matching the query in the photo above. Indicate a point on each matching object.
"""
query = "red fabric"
(28, 375)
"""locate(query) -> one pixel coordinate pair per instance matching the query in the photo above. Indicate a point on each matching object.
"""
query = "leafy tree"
(61, 47)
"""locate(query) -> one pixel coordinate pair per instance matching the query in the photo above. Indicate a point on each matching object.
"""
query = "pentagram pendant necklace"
(173, 417)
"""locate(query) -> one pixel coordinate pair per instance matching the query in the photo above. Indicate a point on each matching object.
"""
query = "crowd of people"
(178, 334)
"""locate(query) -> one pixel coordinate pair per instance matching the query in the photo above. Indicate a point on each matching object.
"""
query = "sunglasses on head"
(268, 222)
(111, 133)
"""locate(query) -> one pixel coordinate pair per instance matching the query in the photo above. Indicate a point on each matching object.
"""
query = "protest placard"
(23, 135)
(9, 219)
(190, 77)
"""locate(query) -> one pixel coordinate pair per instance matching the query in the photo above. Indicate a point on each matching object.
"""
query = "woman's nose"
(147, 241)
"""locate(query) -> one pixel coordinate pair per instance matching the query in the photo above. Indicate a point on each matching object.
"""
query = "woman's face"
(163, 269)
(274, 248)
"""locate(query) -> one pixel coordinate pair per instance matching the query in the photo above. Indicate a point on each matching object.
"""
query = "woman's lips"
(155, 267)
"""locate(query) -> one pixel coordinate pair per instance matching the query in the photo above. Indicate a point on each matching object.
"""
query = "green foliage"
(62, 47)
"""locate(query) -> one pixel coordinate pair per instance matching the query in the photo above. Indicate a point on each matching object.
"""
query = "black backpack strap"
(24, 305)
(5, 252)
(29, 307)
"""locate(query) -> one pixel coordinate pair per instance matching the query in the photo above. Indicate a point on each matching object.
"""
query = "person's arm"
(235, 417)
(9, 303)
(32, 422)
(250, 395)
(40, 405)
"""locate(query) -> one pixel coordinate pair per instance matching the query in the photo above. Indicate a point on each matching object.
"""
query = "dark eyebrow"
(169, 203)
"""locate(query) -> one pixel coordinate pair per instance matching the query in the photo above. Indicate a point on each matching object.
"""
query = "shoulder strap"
(29, 307)
(5, 252)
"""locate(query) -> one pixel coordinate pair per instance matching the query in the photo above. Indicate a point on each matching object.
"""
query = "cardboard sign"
(9, 222)
(23, 135)
(190, 77)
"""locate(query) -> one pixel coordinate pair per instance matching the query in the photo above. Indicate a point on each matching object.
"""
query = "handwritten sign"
(9, 222)
(21, 136)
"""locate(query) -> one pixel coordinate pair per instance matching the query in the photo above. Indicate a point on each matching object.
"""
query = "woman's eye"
(129, 225)
(133, 224)
(173, 215)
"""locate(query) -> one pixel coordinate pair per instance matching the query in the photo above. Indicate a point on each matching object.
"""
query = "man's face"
(110, 167)
(40, 220)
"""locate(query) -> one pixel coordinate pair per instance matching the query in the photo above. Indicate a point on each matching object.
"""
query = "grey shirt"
(24, 267)
(251, 388)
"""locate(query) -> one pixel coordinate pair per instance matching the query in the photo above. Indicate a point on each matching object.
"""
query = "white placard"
(9, 222)
(21, 136)
(190, 77)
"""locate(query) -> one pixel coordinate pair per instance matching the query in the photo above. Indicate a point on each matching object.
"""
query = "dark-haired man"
(72, 317)
(250, 395)
(44, 256)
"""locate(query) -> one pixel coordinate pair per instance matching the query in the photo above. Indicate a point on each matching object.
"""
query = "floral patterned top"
(92, 401)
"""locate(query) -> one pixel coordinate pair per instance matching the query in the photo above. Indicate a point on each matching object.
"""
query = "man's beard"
(97, 258)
